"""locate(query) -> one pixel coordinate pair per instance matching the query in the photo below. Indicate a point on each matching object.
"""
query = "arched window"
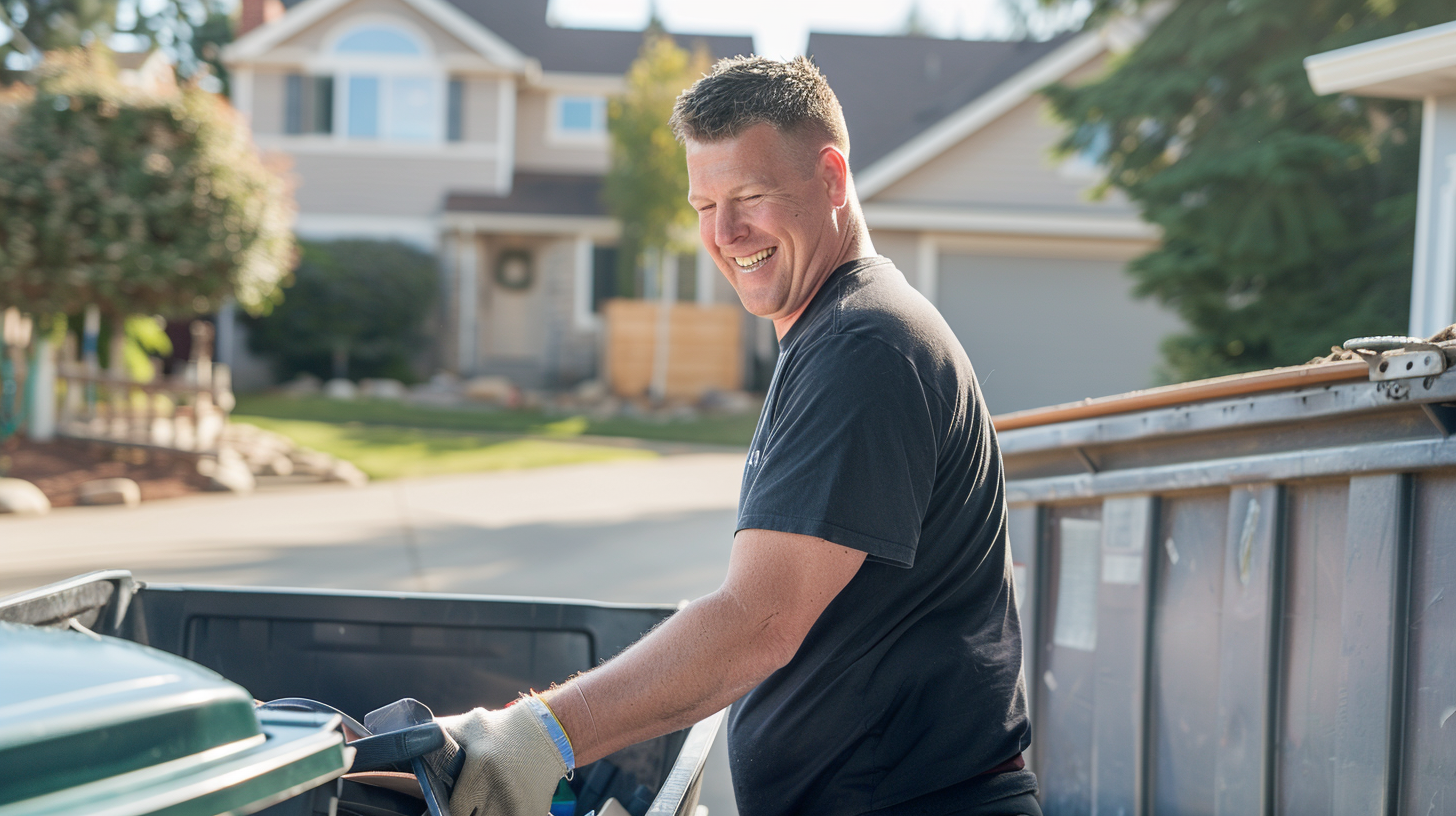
(377, 39)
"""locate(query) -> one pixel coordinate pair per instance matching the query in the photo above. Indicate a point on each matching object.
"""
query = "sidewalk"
(623, 531)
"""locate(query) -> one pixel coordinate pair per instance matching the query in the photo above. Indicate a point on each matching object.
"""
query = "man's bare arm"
(712, 651)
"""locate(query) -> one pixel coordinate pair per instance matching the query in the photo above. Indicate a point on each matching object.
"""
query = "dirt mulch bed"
(60, 468)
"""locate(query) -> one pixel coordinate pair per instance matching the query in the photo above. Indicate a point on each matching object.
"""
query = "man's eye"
(705, 208)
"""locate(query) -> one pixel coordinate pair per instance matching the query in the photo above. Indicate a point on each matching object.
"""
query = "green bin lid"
(108, 727)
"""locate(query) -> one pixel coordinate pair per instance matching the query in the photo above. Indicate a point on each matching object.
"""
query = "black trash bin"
(361, 650)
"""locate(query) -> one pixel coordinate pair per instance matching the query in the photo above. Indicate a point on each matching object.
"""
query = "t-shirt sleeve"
(850, 455)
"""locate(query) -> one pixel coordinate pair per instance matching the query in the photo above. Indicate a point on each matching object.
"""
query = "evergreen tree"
(1287, 218)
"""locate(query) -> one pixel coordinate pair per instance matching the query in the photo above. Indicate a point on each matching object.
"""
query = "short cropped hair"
(741, 92)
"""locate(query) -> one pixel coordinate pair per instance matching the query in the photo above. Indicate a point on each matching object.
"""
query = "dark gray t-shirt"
(875, 437)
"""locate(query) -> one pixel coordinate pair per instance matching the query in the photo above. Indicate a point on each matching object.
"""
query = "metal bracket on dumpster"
(1399, 358)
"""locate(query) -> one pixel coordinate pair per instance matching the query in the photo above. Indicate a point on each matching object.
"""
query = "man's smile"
(748, 263)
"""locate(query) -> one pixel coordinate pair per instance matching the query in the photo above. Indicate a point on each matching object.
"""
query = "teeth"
(755, 258)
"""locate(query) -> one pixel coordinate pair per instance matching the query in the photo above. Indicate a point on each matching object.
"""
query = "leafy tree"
(356, 308)
(135, 203)
(188, 30)
(1287, 217)
(647, 185)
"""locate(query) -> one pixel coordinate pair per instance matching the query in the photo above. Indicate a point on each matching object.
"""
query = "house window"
(390, 87)
(579, 117)
(378, 40)
(308, 104)
(363, 114)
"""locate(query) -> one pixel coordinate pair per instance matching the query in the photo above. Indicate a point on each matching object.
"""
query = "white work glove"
(511, 768)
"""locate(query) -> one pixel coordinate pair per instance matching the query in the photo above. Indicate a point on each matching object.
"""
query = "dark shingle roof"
(893, 88)
(537, 194)
(522, 23)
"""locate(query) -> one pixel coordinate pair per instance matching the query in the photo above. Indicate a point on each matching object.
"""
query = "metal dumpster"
(1240, 595)
(361, 650)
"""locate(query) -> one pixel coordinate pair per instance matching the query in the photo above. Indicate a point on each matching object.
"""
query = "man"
(867, 628)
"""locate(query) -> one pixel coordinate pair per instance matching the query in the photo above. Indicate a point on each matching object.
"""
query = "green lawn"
(389, 452)
(730, 430)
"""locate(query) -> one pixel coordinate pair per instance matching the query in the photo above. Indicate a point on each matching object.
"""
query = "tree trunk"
(42, 391)
(341, 361)
(667, 286)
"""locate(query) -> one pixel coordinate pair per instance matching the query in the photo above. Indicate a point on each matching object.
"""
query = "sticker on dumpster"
(1076, 623)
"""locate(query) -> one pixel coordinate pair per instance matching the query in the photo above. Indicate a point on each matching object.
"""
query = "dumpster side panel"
(1246, 651)
(1372, 645)
(1183, 675)
(1068, 660)
(1310, 682)
(1430, 728)
(1122, 640)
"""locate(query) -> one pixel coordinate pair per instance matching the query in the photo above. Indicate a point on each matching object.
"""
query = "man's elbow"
(775, 641)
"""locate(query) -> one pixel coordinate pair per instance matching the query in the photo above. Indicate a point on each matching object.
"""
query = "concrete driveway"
(653, 531)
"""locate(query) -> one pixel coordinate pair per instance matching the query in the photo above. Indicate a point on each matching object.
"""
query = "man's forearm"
(698, 661)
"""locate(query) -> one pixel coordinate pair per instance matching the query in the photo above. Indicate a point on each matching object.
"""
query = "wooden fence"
(704, 348)
(184, 413)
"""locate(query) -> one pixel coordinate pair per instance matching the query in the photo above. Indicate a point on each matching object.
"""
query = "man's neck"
(858, 245)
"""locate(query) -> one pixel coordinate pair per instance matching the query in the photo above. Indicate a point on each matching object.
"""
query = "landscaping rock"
(340, 389)
(116, 490)
(279, 465)
(22, 498)
(728, 402)
(494, 390)
(592, 391)
(304, 385)
(228, 472)
(347, 473)
(309, 462)
(383, 389)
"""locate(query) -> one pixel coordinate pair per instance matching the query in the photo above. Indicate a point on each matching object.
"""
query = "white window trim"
(384, 67)
(557, 135)
(581, 302)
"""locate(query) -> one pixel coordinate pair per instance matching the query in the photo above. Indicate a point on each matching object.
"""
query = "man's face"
(766, 215)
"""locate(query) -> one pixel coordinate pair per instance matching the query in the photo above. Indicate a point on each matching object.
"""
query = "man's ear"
(833, 170)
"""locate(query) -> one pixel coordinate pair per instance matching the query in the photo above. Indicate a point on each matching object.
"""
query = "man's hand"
(511, 765)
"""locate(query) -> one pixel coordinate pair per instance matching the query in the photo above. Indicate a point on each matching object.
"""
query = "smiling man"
(867, 633)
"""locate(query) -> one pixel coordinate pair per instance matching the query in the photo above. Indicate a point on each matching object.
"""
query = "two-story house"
(476, 129)
(471, 128)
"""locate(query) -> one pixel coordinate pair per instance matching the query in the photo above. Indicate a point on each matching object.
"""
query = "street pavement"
(639, 531)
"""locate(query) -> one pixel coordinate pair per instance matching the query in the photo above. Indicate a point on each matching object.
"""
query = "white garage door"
(1047, 331)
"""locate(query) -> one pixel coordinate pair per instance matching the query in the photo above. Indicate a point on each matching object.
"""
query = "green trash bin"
(106, 727)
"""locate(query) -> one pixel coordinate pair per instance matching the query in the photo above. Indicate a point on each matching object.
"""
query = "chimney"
(255, 13)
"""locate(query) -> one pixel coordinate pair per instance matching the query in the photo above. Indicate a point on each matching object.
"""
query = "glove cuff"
(553, 728)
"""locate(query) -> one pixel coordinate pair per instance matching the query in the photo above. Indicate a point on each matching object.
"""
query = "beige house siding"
(391, 184)
(269, 93)
(900, 247)
(536, 150)
(1043, 331)
(311, 39)
(480, 110)
(1007, 164)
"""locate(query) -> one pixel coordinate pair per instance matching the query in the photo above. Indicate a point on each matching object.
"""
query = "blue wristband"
(553, 729)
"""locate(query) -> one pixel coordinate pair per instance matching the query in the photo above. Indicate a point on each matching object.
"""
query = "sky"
(780, 28)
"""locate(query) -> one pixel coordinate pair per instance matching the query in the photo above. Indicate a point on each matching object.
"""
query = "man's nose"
(728, 226)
